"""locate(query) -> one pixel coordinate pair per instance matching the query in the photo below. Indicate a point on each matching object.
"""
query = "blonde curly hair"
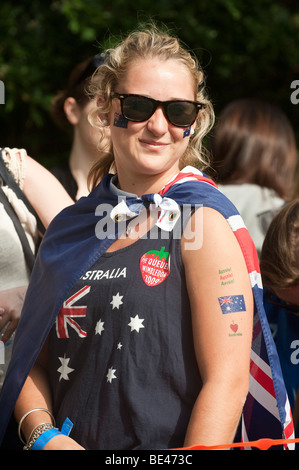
(147, 44)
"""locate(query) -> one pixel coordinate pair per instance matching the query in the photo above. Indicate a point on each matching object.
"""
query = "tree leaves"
(246, 49)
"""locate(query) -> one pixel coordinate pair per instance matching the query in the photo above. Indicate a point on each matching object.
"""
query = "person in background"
(163, 361)
(70, 109)
(23, 181)
(254, 156)
(279, 263)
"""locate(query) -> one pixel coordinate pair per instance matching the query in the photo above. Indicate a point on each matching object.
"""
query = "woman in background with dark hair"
(254, 154)
(70, 109)
(280, 274)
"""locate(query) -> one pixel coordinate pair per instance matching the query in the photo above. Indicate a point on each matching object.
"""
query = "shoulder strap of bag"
(10, 181)
(28, 254)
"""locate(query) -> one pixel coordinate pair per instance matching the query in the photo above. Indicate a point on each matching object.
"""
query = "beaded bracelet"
(36, 433)
(43, 435)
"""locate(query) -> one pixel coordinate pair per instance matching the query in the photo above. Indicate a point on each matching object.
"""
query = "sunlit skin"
(147, 153)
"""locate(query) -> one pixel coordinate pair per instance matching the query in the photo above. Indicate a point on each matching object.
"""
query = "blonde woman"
(147, 330)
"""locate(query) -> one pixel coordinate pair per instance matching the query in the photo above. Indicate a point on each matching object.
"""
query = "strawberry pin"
(154, 266)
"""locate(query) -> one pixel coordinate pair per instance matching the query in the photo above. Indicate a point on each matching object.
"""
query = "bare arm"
(222, 340)
(36, 394)
(48, 197)
(44, 191)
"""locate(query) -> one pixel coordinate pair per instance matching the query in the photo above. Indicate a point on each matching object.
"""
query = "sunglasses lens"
(137, 108)
(181, 113)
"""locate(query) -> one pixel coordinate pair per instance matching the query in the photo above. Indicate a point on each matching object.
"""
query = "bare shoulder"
(209, 235)
(214, 266)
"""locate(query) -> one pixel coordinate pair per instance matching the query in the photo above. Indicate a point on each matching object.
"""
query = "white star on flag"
(116, 301)
(99, 327)
(64, 369)
(136, 323)
(110, 376)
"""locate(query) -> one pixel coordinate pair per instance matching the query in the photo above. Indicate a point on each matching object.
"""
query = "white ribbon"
(169, 212)
(121, 212)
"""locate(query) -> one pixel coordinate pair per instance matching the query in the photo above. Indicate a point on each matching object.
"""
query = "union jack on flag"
(67, 314)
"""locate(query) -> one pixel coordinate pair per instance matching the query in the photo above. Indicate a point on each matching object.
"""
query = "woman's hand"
(62, 442)
(11, 303)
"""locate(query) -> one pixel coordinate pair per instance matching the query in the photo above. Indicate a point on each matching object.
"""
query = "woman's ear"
(103, 117)
(193, 127)
(72, 110)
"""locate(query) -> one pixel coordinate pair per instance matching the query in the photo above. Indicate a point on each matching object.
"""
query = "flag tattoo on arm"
(232, 304)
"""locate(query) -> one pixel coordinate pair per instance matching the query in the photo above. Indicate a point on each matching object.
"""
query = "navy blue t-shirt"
(121, 352)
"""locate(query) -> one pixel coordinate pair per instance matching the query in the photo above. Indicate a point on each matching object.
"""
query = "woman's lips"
(154, 145)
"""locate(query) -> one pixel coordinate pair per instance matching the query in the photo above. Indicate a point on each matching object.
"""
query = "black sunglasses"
(137, 108)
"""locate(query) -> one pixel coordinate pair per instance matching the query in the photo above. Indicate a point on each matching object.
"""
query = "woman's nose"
(158, 123)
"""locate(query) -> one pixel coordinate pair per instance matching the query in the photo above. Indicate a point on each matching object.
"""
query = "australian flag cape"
(70, 246)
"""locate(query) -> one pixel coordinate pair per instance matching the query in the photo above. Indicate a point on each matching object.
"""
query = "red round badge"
(154, 266)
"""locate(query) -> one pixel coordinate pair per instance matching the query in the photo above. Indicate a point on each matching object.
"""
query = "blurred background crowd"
(247, 49)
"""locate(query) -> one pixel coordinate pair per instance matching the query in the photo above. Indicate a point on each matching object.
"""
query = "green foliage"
(246, 49)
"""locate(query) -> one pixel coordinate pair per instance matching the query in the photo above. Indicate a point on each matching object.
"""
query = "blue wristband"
(50, 433)
(44, 438)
